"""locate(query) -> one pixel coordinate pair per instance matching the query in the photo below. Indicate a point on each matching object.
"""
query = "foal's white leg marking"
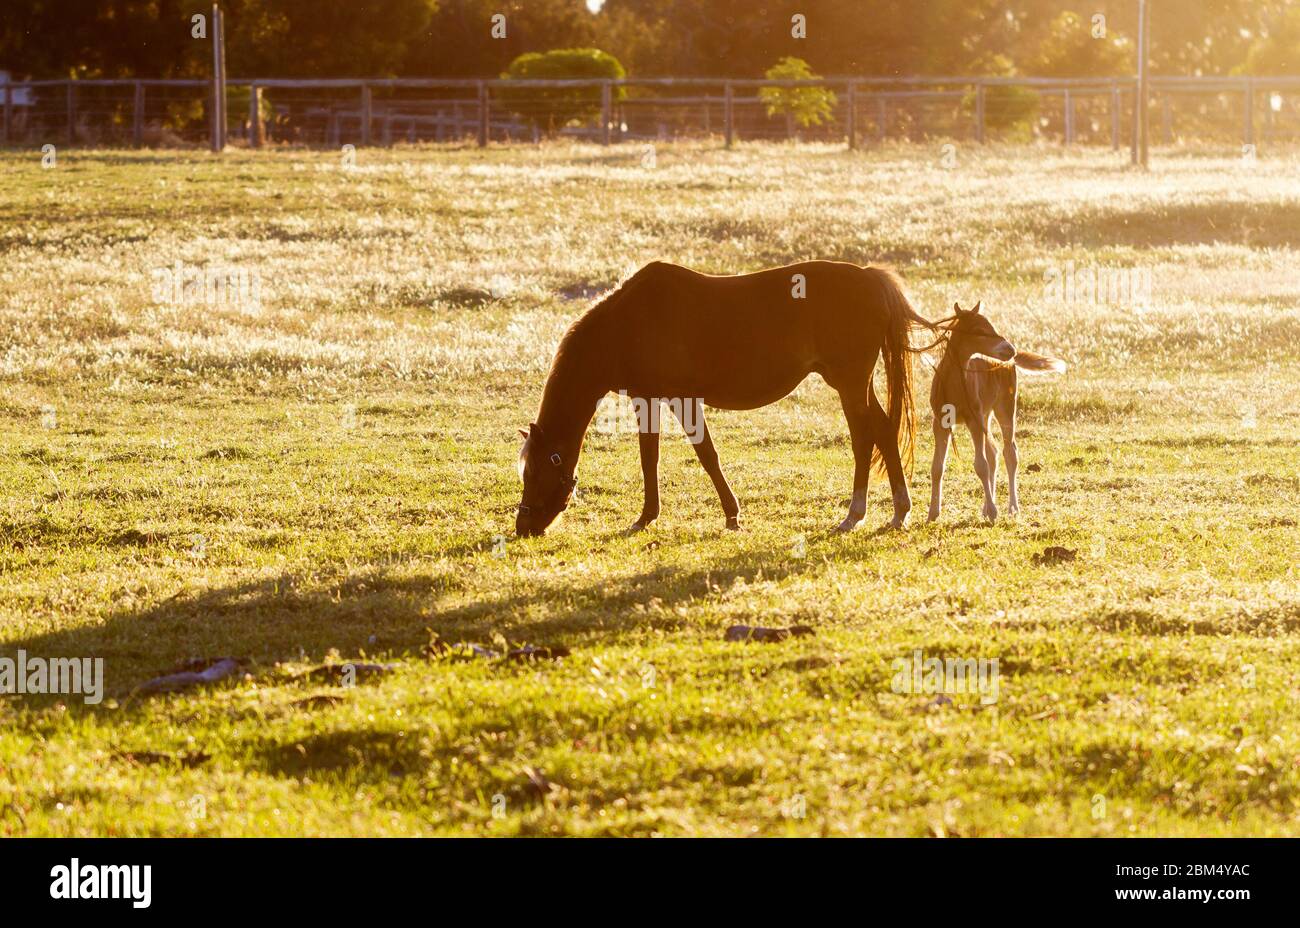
(857, 510)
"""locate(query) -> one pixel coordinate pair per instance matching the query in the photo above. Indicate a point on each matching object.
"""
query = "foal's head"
(972, 333)
(548, 483)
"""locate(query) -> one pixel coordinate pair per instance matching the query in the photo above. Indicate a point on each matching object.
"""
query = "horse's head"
(976, 335)
(548, 483)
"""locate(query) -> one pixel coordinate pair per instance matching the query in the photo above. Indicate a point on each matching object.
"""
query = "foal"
(975, 382)
(669, 333)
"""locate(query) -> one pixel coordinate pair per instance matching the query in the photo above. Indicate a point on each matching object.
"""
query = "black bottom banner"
(359, 878)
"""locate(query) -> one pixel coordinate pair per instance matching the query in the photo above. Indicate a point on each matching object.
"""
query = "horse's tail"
(896, 353)
(1037, 363)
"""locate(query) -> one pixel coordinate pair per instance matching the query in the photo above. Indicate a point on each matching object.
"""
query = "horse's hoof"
(635, 527)
(847, 525)
(733, 524)
(900, 520)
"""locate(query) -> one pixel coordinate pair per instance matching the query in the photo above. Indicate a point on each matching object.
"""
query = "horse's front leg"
(649, 442)
(691, 416)
(942, 441)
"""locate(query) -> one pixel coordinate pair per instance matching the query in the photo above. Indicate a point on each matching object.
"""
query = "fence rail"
(386, 111)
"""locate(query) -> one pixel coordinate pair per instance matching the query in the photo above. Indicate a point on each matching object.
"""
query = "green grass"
(321, 479)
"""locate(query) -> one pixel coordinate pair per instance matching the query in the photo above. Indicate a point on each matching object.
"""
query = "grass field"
(323, 477)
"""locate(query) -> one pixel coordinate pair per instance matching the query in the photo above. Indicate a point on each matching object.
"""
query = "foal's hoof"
(933, 516)
(733, 524)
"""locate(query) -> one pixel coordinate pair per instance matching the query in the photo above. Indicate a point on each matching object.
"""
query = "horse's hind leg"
(888, 443)
(858, 413)
(691, 416)
(980, 439)
(1006, 413)
(649, 442)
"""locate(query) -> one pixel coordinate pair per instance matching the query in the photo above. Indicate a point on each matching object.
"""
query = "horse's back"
(742, 340)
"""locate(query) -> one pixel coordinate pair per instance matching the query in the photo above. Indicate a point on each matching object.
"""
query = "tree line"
(650, 38)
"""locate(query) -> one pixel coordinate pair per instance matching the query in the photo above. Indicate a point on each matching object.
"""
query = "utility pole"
(1141, 101)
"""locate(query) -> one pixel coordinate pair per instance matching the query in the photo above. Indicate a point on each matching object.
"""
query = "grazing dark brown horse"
(669, 333)
(975, 383)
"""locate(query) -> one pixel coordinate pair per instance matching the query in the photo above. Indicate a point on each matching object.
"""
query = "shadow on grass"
(1232, 222)
(382, 611)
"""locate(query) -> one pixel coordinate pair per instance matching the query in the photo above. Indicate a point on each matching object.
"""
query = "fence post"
(1269, 118)
(1166, 119)
(482, 114)
(980, 103)
(218, 131)
(255, 132)
(882, 115)
(72, 112)
(851, 101)
(728, 114)
(1114, 115)
(1069, 117)
(1249, 128)
(137, 116)
(1142, 104)
(606, 110)
(367, 108)
(9, 110)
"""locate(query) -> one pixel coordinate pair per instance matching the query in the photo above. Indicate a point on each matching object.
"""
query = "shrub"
(555, 107)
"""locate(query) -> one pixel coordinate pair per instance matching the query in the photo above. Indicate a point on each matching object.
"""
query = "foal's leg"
(1007, 422)
(858, 414)
(888, 443)
(942, 441)
(697, 433)
(649, 442)
(991, 455)
(979, 438)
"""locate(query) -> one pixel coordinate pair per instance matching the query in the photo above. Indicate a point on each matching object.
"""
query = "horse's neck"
(574, 388)
(951, 374)
(947, 365)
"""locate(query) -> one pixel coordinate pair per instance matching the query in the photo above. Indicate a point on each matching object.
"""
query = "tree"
(1278, 50)
(807, 106)
(459, 42)
(1075, 48)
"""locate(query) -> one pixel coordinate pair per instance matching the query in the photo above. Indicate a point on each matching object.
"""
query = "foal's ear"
(977, 306)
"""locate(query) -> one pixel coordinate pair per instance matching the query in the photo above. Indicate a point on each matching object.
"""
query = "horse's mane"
(595, 312)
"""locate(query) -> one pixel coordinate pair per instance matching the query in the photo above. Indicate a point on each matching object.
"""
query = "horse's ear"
(977, 306)
(956, 308)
